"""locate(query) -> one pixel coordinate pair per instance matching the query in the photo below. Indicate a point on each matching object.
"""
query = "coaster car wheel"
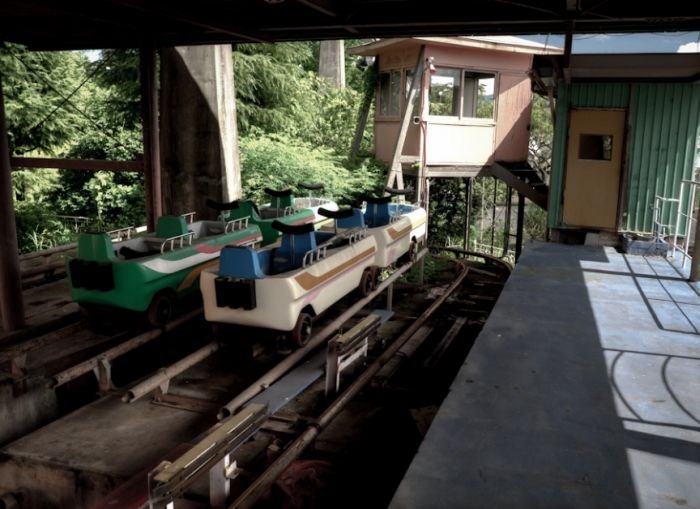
(367, 281)
(161, 309)
(302, 330)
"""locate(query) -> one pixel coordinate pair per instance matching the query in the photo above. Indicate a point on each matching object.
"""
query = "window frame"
(460, 118)
(379, 105)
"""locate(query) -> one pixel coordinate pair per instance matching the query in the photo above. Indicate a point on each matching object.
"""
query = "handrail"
(357, 234)
(242, 224)
(314, 255)
(320, 252)
(118, 234)
(189, 236)
(189, 217)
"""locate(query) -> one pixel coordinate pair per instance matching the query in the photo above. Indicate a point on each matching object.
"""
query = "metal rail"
(173, 479)
(295, 357)
(464, 252)
(102, 360)
(162, 378)
(263, 483)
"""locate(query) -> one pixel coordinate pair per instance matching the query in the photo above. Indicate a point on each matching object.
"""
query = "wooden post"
(364, 113)
(519, 226)
(151, 137)
(11, 300)
(468, 212)
(395, 171)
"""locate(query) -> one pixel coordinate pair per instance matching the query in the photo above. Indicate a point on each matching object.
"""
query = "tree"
(41, 92)
(541, 138)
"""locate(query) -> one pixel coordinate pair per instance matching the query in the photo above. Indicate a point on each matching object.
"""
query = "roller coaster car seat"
(377, 212)
(357, 220)
(241, 262)
(235, 285)
(279, 199)
(96, 247)
(92, 269)
(170, 226)
(297, 240)
(245, 208)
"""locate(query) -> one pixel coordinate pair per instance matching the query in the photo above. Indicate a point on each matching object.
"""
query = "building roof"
(497, 43)
(84, 24)
(676, 67)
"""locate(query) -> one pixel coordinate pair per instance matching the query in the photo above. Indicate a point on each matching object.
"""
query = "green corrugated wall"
(664, 135)
(664, 120)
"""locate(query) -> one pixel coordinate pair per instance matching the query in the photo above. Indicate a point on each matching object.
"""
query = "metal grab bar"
(357, 234)
(314, 255)
(121, 233)
(189, 236)
(236, 224)
(189, 217)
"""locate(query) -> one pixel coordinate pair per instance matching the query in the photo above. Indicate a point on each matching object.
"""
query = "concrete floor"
(582, 391)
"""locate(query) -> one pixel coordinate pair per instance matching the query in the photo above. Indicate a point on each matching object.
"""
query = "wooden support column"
(395, 170)
(364, 112)
(11, 300)
(467, 211)
(519, 228)
(151, 137)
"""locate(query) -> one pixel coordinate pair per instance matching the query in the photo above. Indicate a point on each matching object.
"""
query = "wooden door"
(593, 166)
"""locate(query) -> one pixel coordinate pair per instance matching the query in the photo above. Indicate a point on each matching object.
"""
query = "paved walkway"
(582, 391)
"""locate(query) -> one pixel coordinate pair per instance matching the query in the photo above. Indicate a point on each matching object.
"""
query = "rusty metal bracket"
(18, 367)
(344, 349)
(103, 372)
(170, 480)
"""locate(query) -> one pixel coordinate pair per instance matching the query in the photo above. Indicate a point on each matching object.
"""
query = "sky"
(662, 42)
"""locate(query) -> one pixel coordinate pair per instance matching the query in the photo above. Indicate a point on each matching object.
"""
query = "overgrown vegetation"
(293, 127)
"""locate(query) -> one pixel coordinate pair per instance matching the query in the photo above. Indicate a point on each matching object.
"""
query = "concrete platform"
(582, 391)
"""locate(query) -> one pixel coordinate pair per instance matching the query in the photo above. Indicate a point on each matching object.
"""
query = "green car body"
(102, 274)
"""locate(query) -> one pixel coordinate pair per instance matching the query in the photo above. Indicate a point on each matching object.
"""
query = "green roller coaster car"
(263, 217)
(148, 273)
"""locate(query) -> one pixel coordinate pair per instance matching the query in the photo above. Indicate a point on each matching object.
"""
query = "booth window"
(389, 94)
(595, 146)
(461, 93)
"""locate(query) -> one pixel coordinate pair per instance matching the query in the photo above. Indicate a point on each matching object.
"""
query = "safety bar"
(185, 237)
(121, 233)
(236, 224)
(189, 217)
(315, 255)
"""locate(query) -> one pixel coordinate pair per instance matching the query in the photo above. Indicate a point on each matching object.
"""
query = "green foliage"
(541, 138)
(278, 162)
(113, 200)
(279, 92)
(36, 221)
(535, 222)
(38, 228)
(117, 75)
(294, 126)
(40, 89)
